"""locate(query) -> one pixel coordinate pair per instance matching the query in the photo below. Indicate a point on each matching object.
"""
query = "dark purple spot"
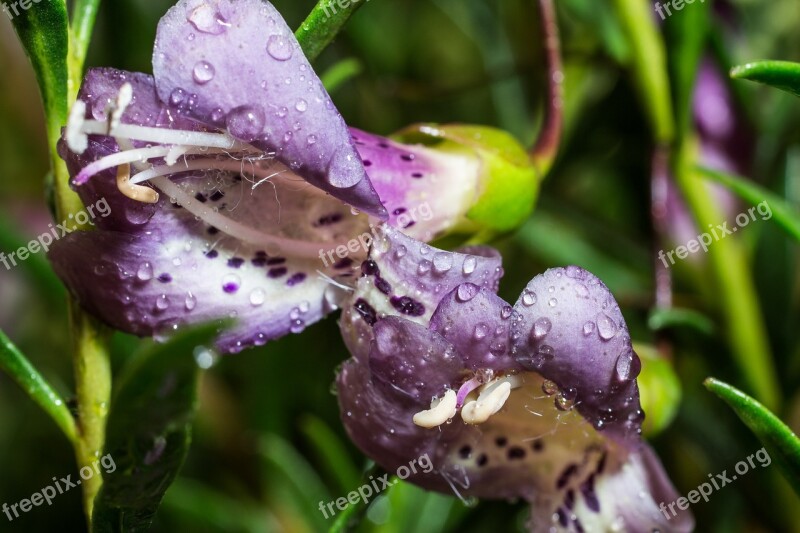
(383, 285)
(589, 496)
(165, 278)
(465, 451)
(538, 445)
(261, 253)
(367, 163)
(562, 516)
(407, 157)
(259, 261)
(344, 263)
(366, 311)
(410, 224)
(568, 472)
(211, 254)
(235, 262)
(276, 261)
(200, 197)
(501, 441)
(601, 464)
(217, 196)
(370, 268)
(212, 230)
(578, 526)
(569, 499)
(277, 272)
(515, 452)
(237, 178)
(399, 211)
(383, 145)
(230, 288)
(295, 279)
(482, 460)
(417, 175)
(327, 220)
(407, 306)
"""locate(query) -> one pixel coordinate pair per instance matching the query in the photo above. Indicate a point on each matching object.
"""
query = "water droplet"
(563, 403)
(552, 302)
(551, 289)
(258, 297)
(470, 263)
(177, 96)
(541, 327)
(162, 302)
(206, 19)
(311, 139)
(145, 272)
(624, 365)
(203, 72)
(466, 292)
(424, 267)
(301, 105)
(606, 326)
(506, 312)
(442, 262)
(574, 272)
(279, 47)
(481, 330)
(588, 328)
(528, 298)
(546, 351)
(581, 290)
(297, 326)
(400, 252)
(549, 387)
(344, 169)
(217, 116)
(246, 122)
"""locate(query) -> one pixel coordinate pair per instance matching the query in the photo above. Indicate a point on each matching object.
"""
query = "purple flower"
(264, 191)
(537, 400)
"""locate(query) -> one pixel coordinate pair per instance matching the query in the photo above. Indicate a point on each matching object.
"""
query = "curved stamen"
(232, 165)
(140, 193)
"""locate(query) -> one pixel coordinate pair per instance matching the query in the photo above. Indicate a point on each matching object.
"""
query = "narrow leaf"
(783, 75)
(783, 214)
(17, 366)
(149, 431)
(323, 24)
(781, 443)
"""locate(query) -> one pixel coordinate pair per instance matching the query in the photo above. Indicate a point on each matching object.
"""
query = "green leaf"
(322, 25)
(331, 451)
(84, 13)
(43, 31)
(783, 75)
(676, 317)
(17, 366)
(340, 73)
(782, 213)
(781, 443)
(659, 389)
(149, 431)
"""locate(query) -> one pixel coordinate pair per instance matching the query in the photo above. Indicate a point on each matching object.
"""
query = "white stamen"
(166, 136)
(199, 164)
(77, 140)
(174, 153)
(440, 412)
(488, 403)
(124, 98)
(140, 193)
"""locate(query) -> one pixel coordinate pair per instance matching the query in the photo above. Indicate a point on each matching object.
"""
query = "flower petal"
(427, 192)
(571, 331)
(236, 64)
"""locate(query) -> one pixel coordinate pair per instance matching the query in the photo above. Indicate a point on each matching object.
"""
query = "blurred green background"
(268, 445)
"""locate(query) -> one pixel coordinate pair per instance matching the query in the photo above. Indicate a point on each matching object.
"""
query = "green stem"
(84, 13)
(17, 366)
(322, 25)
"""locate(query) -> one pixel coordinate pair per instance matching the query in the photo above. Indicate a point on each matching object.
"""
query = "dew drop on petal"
(506, 312)
(546, 351)
(424, 267)
(311, 139)
(442, 262)
(466, 292)
(552, 302)
(279, 47)
(203, 72)
(481, 330)
(581, 290)
(206, 19)
(470, 263)
(145, 272)
(301, 105)
(400, 252)
(257, 297)
(528, 298)
(549, 387)
(624, 365)
(588, 328)
(162, 302)
(246, 122)
(190, 302)
(541, 327)
(344, 169)
(606, 327)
